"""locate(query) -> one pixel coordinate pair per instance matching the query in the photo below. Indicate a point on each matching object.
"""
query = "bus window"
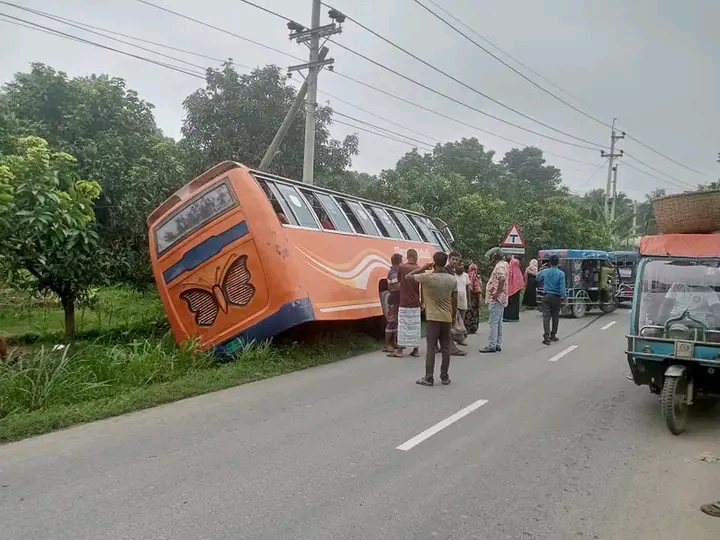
(424, 232)
(440, 237)
(364, 218)
(376, 220)
(303, 213)
(319, 210)
(207, 206)
(281, 210)
(335, 212)
(353, 219)
(404, 224)
(387, 223)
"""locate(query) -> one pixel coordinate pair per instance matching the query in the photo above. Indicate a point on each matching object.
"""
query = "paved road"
(563, 449)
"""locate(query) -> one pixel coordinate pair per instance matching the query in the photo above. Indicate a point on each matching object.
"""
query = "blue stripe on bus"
(205, 250)
(289, 315)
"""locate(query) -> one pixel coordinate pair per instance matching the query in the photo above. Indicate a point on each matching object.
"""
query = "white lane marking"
(441, 425)
(559, 355)
(608, 325)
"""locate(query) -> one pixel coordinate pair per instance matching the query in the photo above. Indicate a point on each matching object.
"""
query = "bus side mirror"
(447, 233)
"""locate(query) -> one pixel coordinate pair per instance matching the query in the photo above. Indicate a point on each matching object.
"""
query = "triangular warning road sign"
(513, 238)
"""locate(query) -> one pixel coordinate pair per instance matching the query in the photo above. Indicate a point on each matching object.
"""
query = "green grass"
(29, 318)
(124, 360)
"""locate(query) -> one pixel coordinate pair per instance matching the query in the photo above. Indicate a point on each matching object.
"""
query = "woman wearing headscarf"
(472, 315)
(530, 296)
(516, 283)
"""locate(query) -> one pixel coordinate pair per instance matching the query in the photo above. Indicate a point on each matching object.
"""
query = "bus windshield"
(670, 287)
(199, 211)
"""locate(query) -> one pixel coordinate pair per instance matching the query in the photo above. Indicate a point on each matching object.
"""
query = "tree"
(111, 132)
(529, 179)
(47, 223)
(236, 117)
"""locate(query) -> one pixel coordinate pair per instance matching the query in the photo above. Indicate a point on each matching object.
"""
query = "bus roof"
(225, 166)
(681, 245)
(576, 254)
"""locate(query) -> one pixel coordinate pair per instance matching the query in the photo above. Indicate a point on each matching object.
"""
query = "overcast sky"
(653, 65)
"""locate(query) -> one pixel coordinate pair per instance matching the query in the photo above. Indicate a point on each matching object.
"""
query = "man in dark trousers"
(553, 281)
(440, 293)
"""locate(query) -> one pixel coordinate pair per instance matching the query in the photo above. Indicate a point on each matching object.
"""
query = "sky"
(651, 64)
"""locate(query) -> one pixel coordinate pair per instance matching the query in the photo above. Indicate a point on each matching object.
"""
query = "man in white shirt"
(463, 284)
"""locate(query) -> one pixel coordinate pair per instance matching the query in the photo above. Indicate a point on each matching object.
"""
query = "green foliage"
(46, 223)
(236, 117)
(113, 135)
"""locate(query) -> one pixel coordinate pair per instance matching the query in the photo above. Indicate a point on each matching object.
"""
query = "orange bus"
(240, 255)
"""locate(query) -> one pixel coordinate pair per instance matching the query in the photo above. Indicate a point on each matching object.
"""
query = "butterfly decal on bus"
(231, 288)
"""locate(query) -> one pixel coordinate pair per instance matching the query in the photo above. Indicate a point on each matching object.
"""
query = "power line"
(228, 32)
(266, 10)
(541, 77)
(663, 180)
(50, 31)
(103, 31)
(665, 156)
(456, 29)
(495, 46)
(99, 45)
(378, 134)
(453, 78)
(455, 120)
(659, 171)
(379, 65)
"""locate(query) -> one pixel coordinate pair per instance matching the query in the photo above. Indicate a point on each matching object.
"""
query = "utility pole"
(611, 157)
(311, 37)
(614, 193)
(272, 150)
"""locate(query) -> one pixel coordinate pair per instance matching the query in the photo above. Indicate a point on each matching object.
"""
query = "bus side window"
(303, 213)
(335, 212)
(353, 219)
(320, 212)
(364, 218)
(404, 224)
(425, 235)
(283, 214)
(376, 219)
(389, 224)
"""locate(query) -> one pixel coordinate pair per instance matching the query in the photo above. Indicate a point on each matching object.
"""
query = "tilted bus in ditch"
(240, 255)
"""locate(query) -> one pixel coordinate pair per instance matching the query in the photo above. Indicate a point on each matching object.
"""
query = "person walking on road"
(496, 296)
(408, 333)
(440, 294)
(553, 280)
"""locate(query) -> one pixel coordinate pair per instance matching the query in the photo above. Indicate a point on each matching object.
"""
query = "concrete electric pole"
(311, 37)
(614, 194)
(611, 157)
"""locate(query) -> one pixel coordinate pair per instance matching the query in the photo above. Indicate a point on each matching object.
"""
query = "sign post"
(513, 243)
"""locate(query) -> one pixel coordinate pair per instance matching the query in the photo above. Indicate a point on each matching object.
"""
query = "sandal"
(712, 509)
(458, 353)
(394, 355)
(415, 354)
(425, 381)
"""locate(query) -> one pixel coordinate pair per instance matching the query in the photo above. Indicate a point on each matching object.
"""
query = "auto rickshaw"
(591, 279)
(626, 264)
(674, 342)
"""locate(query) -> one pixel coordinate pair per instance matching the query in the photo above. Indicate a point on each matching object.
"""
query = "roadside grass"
(125, 360)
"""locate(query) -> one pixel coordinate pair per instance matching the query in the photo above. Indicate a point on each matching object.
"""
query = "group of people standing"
(452, 297)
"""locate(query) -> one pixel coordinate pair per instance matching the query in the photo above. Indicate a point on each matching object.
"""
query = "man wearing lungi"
(408, 332)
